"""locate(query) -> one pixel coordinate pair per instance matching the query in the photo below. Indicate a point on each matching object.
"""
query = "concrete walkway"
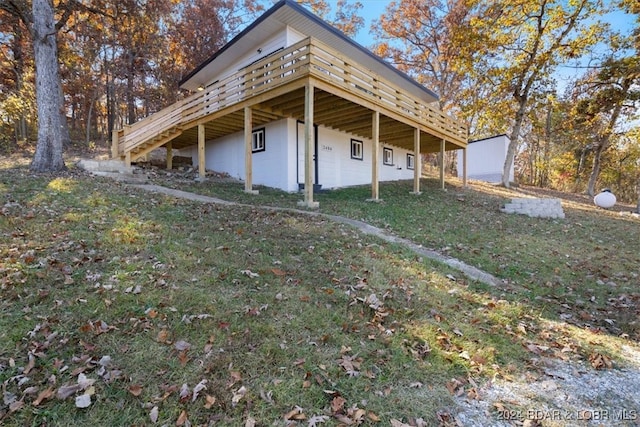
(466, 269)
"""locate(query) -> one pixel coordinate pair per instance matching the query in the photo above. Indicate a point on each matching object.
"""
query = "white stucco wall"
(281, 165)
(261, 49)
(337, 169)
(226, 154)
(485, 159)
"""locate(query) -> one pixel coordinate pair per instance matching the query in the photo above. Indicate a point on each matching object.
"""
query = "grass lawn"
(120, 307)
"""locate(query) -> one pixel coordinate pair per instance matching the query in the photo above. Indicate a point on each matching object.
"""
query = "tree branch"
(19, 9)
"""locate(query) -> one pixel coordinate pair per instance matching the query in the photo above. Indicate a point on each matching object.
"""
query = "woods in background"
(550, 74)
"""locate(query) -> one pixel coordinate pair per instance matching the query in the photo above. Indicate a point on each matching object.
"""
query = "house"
(293, 103)
(486, 159)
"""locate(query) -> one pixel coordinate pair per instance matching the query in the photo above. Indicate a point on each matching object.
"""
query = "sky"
(374, 8)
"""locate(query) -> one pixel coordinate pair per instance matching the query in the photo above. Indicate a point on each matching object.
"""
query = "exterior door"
(301, 148)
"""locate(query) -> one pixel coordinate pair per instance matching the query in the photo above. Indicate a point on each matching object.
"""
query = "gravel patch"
(563, 393)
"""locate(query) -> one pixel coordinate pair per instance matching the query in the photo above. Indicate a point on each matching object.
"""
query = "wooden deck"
(345, 96)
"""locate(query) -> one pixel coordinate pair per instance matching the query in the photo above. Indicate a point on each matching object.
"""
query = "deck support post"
(442, 147)
(375, 157)
(201, 153)
(169, 155)
(308, 147)
(248, 151)
(114, 144)
(417, 162)
(127, 159)
(464, 167)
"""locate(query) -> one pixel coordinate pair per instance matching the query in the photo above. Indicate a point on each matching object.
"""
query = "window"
(356, 149)
(387, 156)
(410, 161)
(257, 141)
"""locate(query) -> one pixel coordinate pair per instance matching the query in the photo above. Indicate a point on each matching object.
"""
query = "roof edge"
(231, 42)
(488, 137)
(310, 15)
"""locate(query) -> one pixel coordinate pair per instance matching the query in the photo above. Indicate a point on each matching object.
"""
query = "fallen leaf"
(30, 390)
(373, 417)
(184, 392)
(317, 419)
(163, 336)
(183, 357)
(182, 345)
(251, 422)
(43, 395)
(238, 395)
(153, 414)
(337, 404)
(182, 418)
(135, 389)
(210, 401)
(67, 391)
(295, 414)
(358, 415)
(83, 401)
(455, 387)
(16, 406)
(396, 423)
(30, 364)
(249, 273)
(104, 361)
(600, 361)
(345, 420)
(85, 382)
(198, 388)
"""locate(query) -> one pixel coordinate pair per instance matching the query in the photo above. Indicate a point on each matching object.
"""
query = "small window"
(410, 161)
(387, 156)
(356, 149)
(257, 141)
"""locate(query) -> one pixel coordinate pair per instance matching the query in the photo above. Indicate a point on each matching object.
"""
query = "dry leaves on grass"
(600, 361)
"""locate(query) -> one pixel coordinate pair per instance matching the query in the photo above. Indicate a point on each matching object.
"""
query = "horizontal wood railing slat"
(307, 57)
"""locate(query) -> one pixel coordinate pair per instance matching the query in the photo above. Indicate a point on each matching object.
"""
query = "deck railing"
(308, 56)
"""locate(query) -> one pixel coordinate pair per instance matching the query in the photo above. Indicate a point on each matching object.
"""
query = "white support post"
(442, 146)
(169, 155)
(375, 157)
(201, 153)
(464, 167)
(308, 150)
(248, 151)
(114, 144)
(417, 163)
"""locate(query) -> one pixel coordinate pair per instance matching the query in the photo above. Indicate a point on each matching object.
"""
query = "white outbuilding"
(485, 159)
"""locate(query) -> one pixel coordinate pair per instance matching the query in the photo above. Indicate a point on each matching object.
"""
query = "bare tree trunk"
(595, 170)
(605, 139)
(513, 143)
(638, 206)
(48, 156)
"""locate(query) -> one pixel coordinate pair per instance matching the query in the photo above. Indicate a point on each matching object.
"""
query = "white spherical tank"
(605, 199)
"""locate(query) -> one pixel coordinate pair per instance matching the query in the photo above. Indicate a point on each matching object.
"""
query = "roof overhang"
(289, 13)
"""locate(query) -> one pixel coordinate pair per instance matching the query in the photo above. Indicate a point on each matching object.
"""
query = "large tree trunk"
(513, 144)
(48, 156)
(638, 207)
(595, 170)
